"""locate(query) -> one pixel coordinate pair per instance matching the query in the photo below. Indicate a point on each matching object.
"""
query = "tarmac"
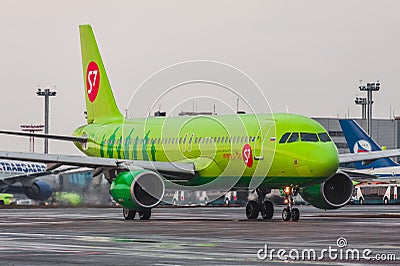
(199, 236)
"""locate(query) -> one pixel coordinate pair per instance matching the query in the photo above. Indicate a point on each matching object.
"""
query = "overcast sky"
(306, 56)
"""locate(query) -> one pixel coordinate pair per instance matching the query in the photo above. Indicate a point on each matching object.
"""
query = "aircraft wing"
(367, 156)
(170, 170)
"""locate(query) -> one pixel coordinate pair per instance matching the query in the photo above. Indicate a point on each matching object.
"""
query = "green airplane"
(142, 157)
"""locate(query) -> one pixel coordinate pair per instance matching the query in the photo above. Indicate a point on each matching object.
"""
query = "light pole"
(369, 89)
(32, 129)
(363, 102)
(46, 93)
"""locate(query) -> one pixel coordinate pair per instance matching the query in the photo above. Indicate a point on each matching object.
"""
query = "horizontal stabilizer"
(367, 156)
(45, 136)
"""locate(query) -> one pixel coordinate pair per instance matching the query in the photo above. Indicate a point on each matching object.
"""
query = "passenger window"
(324, 137)
(284, 137)
(294, 137)
(308, 137)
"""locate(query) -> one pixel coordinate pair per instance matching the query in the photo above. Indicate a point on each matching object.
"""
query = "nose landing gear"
(290, 212)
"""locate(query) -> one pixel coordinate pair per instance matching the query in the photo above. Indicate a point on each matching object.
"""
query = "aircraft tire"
(267, 210)
(128, 214)
(145, 214)
(295, 214)
(252, 209)
(286, 214)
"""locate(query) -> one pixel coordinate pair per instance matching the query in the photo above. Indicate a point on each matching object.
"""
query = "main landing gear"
(130, 214)
(263, 206)
(290, 212)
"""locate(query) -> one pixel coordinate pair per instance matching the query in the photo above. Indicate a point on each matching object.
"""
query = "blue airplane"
(358, 141)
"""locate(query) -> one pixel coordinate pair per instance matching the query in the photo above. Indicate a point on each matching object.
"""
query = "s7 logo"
(92, 82)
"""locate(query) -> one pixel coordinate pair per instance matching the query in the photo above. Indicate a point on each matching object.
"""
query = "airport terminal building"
(386, 132)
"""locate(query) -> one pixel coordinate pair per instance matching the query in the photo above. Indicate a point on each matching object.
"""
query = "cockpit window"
(324, 137)
(309, 137)
(294, 137)
(284, 137)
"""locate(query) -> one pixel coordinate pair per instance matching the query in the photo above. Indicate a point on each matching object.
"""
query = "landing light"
(287, 190)
(286, 201)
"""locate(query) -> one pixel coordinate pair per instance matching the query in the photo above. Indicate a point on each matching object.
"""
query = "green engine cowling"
(138, 189)
(331, 194)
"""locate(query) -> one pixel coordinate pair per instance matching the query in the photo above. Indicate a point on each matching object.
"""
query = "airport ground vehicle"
(182, 197)
(6, 199)
(25, 202)
(376, 193)
(68, 198)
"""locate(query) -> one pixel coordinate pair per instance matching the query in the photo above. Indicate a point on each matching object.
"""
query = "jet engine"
(334, 193)
(40, 190)
(139, 189)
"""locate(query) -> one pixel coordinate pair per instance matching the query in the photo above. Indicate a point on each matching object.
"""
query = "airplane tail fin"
(359, 141)
(100, 102)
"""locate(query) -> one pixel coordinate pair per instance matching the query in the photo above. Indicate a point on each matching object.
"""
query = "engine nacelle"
(40, 190)
(139, 189)
(331, 194)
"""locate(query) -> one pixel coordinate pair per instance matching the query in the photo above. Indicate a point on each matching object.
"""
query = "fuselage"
(230, 146)
(10, 168)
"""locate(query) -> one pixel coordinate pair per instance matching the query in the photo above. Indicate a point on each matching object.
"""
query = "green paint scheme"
(111, 142)
(120, 189)
(213, 143)
(119, 146)
(102, 145)
(127, 143)
(134, 151)
(153, 151)
(145, 154)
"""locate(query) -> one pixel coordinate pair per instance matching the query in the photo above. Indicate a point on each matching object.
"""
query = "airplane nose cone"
(324, 161)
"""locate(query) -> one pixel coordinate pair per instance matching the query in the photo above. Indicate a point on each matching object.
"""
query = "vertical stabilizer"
(100, 102)
(359, 141)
